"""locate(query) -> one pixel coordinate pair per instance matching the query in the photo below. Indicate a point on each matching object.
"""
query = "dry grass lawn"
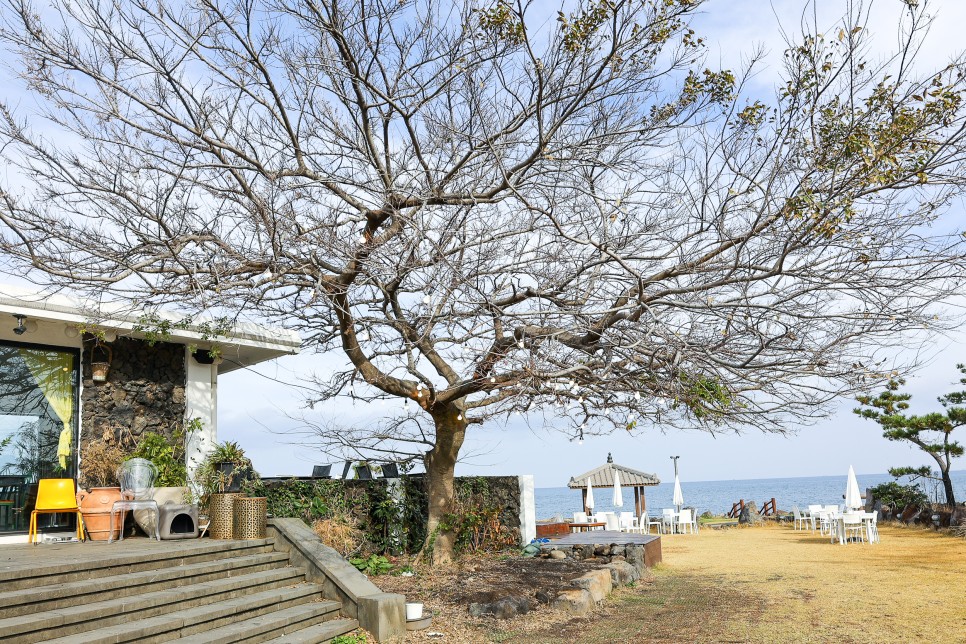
(765, 584)
(776, 584)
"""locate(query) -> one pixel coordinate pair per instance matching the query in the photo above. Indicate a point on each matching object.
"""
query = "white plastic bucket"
(414, 611)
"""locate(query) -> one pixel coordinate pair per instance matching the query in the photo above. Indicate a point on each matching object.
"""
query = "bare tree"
(487, 213)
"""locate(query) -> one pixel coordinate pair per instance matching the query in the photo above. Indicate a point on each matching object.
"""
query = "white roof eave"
(267, 342)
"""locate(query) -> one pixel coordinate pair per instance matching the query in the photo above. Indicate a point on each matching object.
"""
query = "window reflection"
(38, 403)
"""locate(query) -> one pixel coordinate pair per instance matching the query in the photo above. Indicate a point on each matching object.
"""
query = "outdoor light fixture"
(20, 329)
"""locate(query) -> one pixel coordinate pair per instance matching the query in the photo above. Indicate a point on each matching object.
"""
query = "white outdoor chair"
(813, 515)
(668, 518)
(830, 524)
(686, 521)
(613, 523)
(870, 523)
(853, 527)
(580, 517)
(628, 522)
(800, 519)
(657, 522)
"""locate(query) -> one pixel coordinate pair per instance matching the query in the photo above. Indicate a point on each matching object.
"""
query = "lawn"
(776, 584)
(764, 584)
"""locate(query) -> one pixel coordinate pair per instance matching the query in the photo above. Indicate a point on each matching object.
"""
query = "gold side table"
(250, 517)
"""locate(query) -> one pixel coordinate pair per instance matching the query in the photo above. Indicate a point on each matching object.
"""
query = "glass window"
(38, 424)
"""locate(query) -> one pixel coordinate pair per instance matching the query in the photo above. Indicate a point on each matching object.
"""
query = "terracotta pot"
(95, 507)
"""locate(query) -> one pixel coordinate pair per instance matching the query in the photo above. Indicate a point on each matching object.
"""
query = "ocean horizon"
(717, 497)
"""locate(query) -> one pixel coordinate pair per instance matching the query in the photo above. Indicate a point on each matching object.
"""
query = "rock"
(635, 557)
(959, 516)
(558, 554)
(622, 573)
(749, 514)
(502, 608)
(601, 550)
(543, 596)
(575, 601)
(909, 514)
(595, 582)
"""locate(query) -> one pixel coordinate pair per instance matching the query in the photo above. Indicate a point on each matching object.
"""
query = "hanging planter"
(100, 368)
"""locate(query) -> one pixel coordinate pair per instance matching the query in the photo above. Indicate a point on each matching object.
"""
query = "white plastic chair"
(613, 523)
(870, 523)
(686, 521)
(657, 522)
(813, 515)
(800, 519)
(669, 522)
(580, 517)
(853, 526)
(628, 522)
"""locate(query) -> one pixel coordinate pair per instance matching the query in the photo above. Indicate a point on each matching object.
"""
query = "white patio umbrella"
(618, 496)
(590, 496)
(853, 498)
(678, 499)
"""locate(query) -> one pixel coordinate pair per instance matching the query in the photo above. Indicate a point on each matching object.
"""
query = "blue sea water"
(718, 496)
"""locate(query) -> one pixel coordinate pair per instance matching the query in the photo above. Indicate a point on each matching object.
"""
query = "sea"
(717, 497)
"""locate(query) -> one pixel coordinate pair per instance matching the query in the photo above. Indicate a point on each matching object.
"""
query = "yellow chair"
(56, 496)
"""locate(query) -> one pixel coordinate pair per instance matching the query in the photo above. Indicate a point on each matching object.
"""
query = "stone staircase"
(144, 591)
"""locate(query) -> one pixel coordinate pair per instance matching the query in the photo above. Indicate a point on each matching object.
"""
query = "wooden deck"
(20, 559)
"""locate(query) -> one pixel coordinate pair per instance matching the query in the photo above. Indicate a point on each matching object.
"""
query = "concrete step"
(318, 633)
(113, 610)
(314, 616)
(202, 620)
(31, 601)
(43, 565)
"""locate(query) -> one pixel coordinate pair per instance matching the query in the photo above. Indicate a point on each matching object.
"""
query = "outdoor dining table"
(587, 525)
(866, 519)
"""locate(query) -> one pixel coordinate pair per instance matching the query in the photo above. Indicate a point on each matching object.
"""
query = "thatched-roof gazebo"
(603, 476)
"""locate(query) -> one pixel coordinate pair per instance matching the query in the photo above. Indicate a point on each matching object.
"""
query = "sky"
(256, 405)
(733, 29)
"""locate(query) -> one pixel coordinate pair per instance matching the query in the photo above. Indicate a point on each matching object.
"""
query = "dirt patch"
(485, 578)
(541, 579)
(448, 592)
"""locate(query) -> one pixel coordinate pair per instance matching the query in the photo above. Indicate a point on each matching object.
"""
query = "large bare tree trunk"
(440, 473)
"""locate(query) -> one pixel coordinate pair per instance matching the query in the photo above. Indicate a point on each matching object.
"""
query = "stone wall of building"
(144, 392)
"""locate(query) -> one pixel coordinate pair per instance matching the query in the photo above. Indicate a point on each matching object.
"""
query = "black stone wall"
(503, 492)
(144, 392)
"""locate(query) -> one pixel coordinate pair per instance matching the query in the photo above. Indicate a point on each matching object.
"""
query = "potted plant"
(225, 469)
(100, 459)
(220, 478)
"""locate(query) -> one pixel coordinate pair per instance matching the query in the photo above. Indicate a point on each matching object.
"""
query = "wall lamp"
(24, 325)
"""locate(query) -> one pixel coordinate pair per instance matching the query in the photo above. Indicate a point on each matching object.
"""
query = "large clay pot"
(95, 506)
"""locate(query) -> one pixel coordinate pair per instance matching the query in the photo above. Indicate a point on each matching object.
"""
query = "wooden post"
(637, 501)
(583, 493)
